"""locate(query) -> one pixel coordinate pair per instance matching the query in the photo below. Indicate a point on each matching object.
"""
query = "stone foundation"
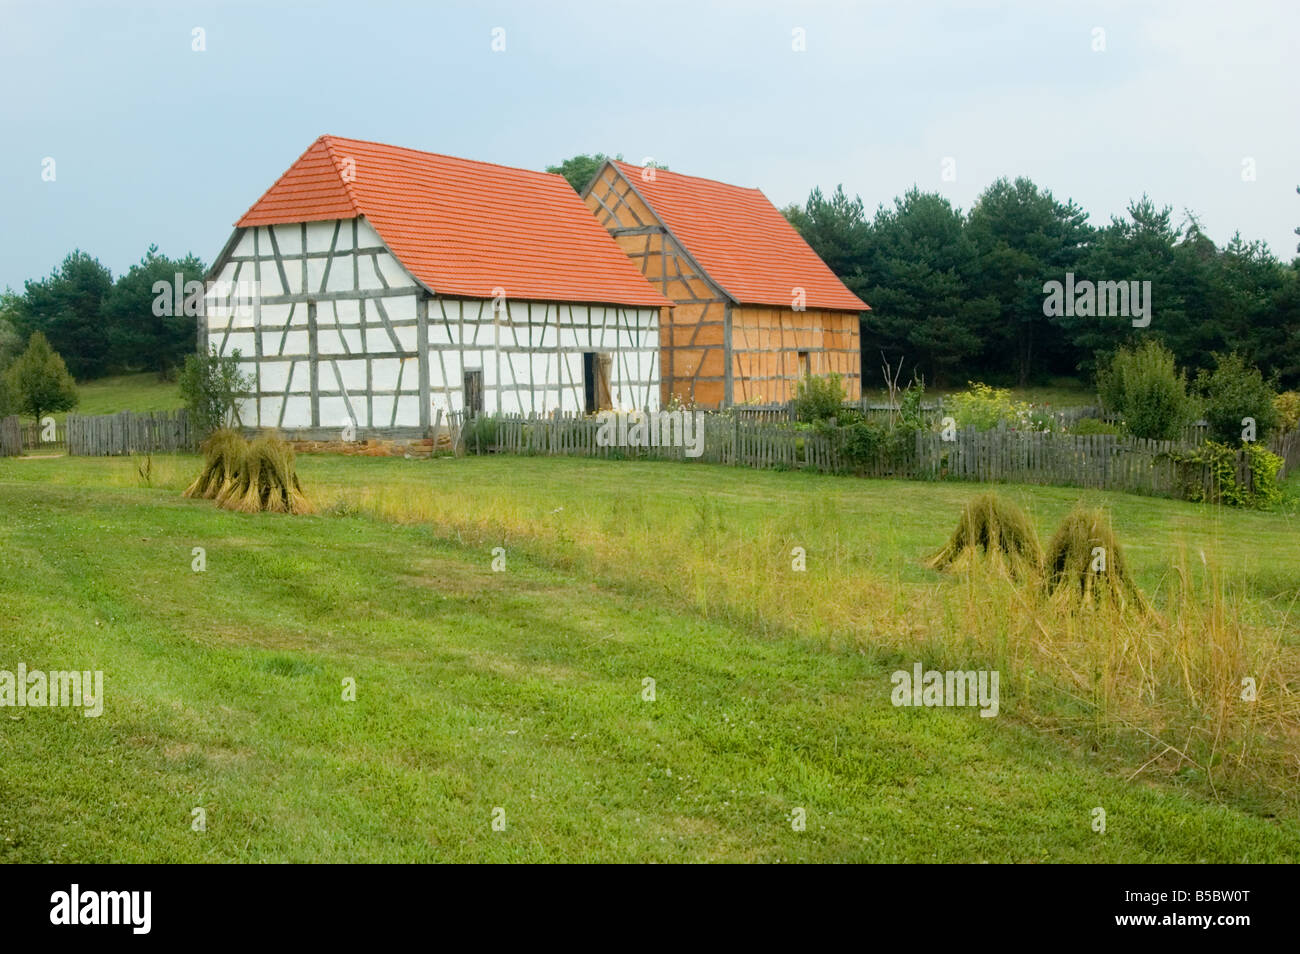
(376, 447)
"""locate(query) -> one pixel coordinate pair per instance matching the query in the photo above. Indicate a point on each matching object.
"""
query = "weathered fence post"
(11, 436)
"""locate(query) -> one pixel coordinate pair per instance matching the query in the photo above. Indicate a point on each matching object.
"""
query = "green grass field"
(127, 392)
(1057, 393)
(519, 694)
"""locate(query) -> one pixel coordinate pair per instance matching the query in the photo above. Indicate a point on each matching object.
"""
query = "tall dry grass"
(1155, 688)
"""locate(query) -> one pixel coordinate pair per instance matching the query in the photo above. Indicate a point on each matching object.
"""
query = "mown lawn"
(523, 690)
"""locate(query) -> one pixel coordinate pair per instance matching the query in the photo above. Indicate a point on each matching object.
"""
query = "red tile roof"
(741, 240)
(461, 227)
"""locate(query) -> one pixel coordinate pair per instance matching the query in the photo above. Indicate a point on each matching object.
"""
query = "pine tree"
(41, 380)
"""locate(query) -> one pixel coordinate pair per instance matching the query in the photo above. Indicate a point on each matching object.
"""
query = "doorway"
(595, 382)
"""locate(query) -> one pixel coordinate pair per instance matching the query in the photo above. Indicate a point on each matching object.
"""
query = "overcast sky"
(155, 142)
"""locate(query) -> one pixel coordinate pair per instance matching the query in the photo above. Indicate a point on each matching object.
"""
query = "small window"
(805, 364)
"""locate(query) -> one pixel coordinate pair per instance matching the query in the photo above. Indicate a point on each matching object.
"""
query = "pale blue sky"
(156, 143)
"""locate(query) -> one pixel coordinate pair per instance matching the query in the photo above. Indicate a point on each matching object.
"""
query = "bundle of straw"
(996, 529)
(223, 458)
(1085, 565)
(250, 477)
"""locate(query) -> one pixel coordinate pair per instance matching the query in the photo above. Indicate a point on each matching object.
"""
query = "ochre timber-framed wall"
(755, 308)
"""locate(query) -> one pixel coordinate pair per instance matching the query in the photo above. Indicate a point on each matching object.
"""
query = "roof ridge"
(429, 211)
(334, 163)
(444, 155)
(740, 240)
(687, 175)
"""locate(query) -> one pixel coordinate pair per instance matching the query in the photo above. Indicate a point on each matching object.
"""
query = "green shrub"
(860, 442)
(213, 386)
(1221, 458)
(983, 407)
(1232, 392)
(910, 415)
(1287, 405)
(1095, 425)
(864, 443)
(480, 434)
(1145, 387)
(818, 399)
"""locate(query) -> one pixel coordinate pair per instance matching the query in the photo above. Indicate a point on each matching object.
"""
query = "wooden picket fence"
(11, 436)
(1093, 461)
(734, 440)
(34, 434)
(110, 435)
(1288, 448)
(1101, 461)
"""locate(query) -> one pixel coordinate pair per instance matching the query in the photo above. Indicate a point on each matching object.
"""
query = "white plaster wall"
(537, 350)
(540, 381)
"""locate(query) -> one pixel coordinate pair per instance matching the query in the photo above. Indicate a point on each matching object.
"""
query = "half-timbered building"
(756, 309)
(391, 283)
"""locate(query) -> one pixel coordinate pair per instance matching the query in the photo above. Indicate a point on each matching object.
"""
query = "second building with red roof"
(756, 309)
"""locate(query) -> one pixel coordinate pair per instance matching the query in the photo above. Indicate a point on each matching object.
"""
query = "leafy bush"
(1232, 392)
(910, 415)
(1095, 425)
(1144, 385)
(983, 407)
(480, 433)
(212, 386)
(818, 399)
(1221, 458)
(864, 443)
(861, 442)
(1287, 405)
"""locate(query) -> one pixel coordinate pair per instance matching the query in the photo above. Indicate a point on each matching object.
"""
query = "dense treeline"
(100, 325)
(961, 294)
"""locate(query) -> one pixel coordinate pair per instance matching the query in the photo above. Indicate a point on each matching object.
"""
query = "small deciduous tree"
(212, 386)
(40, 381)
